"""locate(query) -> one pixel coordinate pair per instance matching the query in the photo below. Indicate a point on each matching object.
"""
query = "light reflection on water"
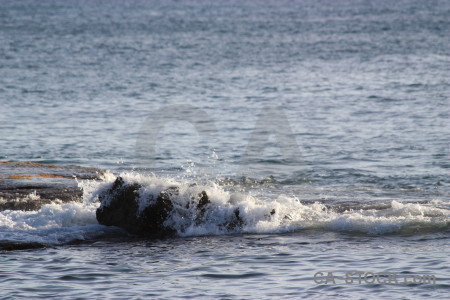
(363, 86)
(232, 266)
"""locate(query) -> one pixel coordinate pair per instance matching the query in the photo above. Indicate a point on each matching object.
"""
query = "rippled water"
(351, 98)
(236, 266)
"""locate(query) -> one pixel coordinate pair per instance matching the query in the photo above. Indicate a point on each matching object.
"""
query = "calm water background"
(364, 87)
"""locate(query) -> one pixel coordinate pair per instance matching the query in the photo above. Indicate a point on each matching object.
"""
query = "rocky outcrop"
(120, 207)
(28, 185)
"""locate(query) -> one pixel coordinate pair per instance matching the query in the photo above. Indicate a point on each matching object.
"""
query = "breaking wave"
(59, 223)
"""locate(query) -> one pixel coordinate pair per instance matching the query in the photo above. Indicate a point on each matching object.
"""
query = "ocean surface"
(335, 114)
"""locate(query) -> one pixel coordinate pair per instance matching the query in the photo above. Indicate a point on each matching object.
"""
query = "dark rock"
(123, 207)
(236, 222)
(154, 216)
(204, 200)
(120, 207)
(11, 246)
(201, 206)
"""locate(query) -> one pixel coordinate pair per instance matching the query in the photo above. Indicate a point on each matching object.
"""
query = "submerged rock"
(12, 246)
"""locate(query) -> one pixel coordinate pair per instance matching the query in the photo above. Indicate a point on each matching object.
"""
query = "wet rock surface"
(14, 246)
(28, 186)
(120, 207)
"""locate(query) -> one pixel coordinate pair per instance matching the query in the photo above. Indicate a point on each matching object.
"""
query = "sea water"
(332, 114)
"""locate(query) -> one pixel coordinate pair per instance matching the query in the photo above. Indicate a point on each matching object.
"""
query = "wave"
(59, 223)
(279, 214)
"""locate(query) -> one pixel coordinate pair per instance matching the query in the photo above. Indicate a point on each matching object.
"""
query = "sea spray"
(59, 223)
(228, 211)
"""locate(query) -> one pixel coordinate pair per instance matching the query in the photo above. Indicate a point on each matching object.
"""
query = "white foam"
(60, 223)
(290, 213)
(57, 222)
